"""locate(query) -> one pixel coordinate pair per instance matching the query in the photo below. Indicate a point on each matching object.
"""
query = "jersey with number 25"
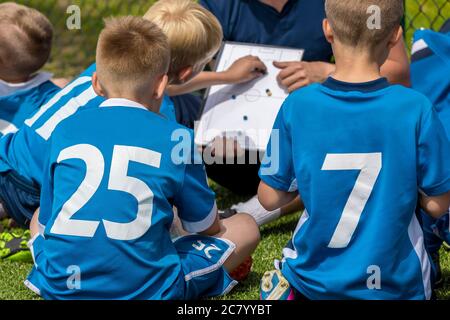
(358, 154)
(106, 205)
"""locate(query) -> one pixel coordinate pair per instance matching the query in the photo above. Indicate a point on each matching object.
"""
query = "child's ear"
(97, 86)
(328, 31)
(395, 38)
(160, 87)
(185, 74)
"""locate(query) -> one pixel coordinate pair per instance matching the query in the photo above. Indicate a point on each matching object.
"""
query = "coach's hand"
(295, 74)
(245, 69)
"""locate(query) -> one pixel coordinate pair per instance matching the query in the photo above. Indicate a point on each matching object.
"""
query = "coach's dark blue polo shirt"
(299, 25)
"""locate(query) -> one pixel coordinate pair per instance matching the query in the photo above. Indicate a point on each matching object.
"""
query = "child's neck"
(356, 68)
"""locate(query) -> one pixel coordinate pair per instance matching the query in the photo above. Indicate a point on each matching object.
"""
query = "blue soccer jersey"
(106, 205)
(19, 105)
(430, 68)
(358, 154)
(24, 152)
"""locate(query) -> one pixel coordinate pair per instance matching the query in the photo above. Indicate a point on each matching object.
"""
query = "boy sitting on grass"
(194, 36)
(26, 42)
(25, 48)
(357, 150)
(109, 187)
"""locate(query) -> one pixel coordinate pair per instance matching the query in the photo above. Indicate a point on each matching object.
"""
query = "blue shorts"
(19, 197)
(202, 260)
(201, 257)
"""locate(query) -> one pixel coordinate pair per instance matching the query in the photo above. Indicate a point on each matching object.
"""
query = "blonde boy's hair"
(131, 52)
(26, 38)
(194, 33)
(351, 20)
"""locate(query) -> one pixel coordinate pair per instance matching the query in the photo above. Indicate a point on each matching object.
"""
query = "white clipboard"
(246, 111)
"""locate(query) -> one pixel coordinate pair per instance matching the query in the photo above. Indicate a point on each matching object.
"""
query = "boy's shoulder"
(403, 97)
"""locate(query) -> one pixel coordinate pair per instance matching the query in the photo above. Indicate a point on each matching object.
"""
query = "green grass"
(74, 51)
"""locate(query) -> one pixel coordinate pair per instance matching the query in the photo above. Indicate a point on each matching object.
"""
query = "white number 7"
(370, 165)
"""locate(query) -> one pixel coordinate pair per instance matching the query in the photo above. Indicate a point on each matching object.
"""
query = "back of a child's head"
(131, 53)
(26, 36)
(364, 23)
(194, 33)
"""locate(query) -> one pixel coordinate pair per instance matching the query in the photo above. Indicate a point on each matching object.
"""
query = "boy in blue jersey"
(110, 183)
(23, 154)
(26, 41)
(357, 150)
(429, 75)
(26, 45)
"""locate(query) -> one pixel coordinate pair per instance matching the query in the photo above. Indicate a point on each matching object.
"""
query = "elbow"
(436, 206)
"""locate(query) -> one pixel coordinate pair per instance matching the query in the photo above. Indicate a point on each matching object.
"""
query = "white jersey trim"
(289, 253)
(200, 226)
(416, 237)
(116, 102)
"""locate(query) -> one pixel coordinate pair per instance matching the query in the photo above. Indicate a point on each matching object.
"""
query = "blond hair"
(26, 39)
(350, 20)
(194, 33)
(131, 52)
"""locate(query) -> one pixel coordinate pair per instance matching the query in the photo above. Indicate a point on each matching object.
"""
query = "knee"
(250, 227)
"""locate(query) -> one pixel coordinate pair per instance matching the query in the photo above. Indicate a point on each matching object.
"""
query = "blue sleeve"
(195, 201)
(433, 156)
(277, 167)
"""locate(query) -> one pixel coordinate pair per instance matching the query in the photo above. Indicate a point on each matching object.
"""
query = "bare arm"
(272, 199)
(436, 206)
(242, 70)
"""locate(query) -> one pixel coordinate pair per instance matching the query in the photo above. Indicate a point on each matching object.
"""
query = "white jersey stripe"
(416, 236)
(66, 111)
(29, 122)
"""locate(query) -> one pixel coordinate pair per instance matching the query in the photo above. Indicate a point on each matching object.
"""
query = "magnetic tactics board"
(246, 111)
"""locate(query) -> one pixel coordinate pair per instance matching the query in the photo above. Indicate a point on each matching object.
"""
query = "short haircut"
(26, 38)
(349, 20)
(131, 52)
(193, 32)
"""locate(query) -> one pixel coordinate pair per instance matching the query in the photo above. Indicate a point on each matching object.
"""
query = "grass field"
(74, 50)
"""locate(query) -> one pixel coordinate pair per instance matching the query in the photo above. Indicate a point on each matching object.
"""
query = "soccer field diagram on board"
(245, 111)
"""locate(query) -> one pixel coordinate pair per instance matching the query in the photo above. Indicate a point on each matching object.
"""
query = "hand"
(245, 69)
(296, 74)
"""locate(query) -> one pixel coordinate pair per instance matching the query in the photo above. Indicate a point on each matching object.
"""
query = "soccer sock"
(256, 210)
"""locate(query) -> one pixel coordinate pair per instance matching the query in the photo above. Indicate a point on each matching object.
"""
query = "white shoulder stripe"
(29, 122)
(416, 237)
(66, 111)
(418, 45)
(7, 127)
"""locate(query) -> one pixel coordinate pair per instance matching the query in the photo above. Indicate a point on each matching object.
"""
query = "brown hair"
(130, 51)
(193, 32)
(26, 38)
(350, 20)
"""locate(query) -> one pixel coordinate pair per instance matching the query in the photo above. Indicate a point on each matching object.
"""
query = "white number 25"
(118, 180)
(370, 165)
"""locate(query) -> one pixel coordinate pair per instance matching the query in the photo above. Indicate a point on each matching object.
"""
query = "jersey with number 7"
(112, 177)
(358, 154)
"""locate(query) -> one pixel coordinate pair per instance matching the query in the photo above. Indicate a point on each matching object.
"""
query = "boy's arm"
(272, 199)
(432, 161)
(435, 206)
(242, 70)
(195, 201)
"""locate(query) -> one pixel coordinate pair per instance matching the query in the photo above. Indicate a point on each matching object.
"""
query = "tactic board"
(245, 112)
